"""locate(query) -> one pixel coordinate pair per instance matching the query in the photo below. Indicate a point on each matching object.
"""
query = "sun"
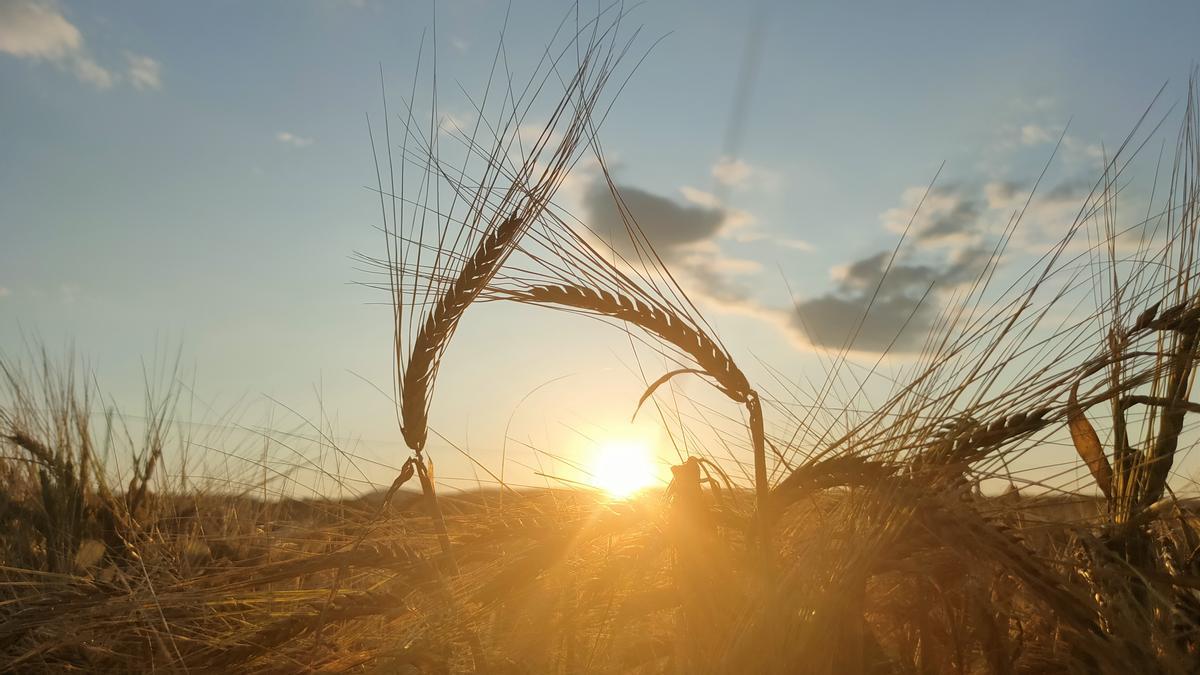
(622, 467)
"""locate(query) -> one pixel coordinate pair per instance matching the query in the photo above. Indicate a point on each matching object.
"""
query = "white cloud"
(453, 123)
(530, 134)
(459, 44)
(700, 197)
(4, 292)
(798, 244)
(1074, 149)
(735, 221)
(737, 173)
(732, 172)
(144, 72)
(1001, 194)
(93, 73)
(1036, 104)
(1033, 134)
(1088, 154)
(38, 31)
(747, 236)
(288, 138)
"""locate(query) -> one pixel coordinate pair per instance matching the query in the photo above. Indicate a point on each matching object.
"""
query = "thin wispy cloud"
(144, 72)
(455, 124)
(288, 138)
(1073, 149)
(797, 244)
(1035, 134)
(1088, 154)
(732, 172)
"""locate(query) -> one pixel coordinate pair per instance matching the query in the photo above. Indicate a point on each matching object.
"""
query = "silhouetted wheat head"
(439, 325)
(447, 232)
(662, 323)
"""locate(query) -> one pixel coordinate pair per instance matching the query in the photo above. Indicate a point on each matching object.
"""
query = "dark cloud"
(716, 283)
(894, 309)
(1003, 191)
(830, 320)
(897, 318)
(672, 228)
(669, 225)
(865, 274)
(1070, 190)
(947, 212)
(959, 219)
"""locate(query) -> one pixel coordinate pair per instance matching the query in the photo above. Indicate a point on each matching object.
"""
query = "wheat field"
(917, 535)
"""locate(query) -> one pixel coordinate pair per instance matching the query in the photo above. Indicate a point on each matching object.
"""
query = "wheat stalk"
(430, 343)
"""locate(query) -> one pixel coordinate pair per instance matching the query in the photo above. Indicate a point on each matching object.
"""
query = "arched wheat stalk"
(448, 236)
(434, 334)
(562, 268)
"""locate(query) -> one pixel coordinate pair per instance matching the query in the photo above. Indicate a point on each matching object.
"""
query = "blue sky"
(192, 175)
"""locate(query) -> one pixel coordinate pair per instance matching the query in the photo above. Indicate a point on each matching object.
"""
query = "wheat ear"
(657, 321)
(435, 333)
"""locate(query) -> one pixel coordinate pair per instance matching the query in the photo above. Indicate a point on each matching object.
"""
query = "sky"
(194, 179)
